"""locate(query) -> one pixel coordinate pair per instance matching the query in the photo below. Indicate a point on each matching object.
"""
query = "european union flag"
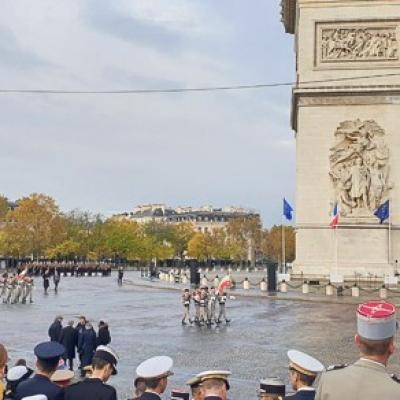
(287, 210)
(382, 212)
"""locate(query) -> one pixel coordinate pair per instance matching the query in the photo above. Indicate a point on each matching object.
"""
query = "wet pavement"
(145, 322)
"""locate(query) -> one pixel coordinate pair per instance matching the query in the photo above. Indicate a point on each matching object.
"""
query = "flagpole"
(390, 235)
(283, 246)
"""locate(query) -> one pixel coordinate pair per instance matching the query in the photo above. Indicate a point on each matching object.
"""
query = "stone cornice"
(343, 95)
(289, 15)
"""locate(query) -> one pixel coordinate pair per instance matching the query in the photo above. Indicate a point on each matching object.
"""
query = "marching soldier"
(196, 301)
(203, 306)
(303, 370)
(155, 372)
(367, 378)
(222, 307)
(272, 389)
(212, 298)
(186, 306)
(10, 289)
(28, 292)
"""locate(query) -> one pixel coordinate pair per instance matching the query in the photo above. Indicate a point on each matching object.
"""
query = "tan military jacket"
(364, 380)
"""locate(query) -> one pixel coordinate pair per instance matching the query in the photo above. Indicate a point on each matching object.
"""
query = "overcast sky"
(108, 153)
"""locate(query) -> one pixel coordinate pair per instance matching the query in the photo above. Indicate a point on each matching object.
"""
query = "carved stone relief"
(357, 42)
(359, 168)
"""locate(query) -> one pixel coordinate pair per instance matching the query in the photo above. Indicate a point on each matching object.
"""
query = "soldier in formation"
(16, 288)
(205, 302)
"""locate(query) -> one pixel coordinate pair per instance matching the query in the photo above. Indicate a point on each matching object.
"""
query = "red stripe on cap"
(376, 309)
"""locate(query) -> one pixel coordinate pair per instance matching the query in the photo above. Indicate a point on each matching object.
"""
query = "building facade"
(345, 112)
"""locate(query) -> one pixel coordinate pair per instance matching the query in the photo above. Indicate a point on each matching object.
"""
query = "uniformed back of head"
(376, 328)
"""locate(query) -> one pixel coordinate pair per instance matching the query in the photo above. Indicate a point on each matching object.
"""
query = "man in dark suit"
(95, 388)
(155, 372)
(68, 339)
(55, 329)
(48, 355)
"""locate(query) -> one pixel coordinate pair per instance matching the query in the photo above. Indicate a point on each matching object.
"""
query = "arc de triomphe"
(346, 118)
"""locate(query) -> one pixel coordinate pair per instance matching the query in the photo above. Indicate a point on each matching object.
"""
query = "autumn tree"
(246, 232)
(181, 235)
(272, 243)
(34, 226)
(4, 207)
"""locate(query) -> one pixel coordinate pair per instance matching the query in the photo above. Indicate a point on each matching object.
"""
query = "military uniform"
(186, 307)
(272, 388)
(222, 308)
(365, 379)
(154, 368)
(90, 388)
(41, 384)
(305, 369)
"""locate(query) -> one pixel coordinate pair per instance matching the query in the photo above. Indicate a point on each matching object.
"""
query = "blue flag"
(382, 212)
(287, 210)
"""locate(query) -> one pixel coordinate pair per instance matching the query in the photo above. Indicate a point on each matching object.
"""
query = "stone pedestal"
(345, 113)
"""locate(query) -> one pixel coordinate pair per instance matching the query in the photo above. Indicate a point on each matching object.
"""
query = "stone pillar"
(345, 115)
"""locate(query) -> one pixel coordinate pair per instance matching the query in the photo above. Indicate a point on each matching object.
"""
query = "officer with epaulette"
(48, 355)
(303, 370)
(155, 372)
(366, 379)
(271, 389)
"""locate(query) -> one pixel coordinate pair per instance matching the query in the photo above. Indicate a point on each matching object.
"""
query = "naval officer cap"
(217, 374)
(193, 382)
(272, 386)
(303, 363)
(106, 353)
(155, 367)
(376, 320)
(49, 350)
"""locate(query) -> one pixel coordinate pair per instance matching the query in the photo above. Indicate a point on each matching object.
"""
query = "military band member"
(303, 370)
(186, 306)
(155, 372)
(271, 389)
(367, 378)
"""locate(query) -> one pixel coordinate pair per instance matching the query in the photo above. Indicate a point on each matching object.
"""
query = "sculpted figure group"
(343, 44)
(360, 167)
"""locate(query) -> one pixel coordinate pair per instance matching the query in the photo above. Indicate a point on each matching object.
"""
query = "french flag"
(335, 217)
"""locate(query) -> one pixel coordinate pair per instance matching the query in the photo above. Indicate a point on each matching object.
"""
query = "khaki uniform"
(364, 380)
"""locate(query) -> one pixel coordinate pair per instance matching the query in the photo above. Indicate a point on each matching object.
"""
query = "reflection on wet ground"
(146, 322)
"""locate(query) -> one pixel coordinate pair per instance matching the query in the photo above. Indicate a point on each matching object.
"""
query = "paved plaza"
(145, 322)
